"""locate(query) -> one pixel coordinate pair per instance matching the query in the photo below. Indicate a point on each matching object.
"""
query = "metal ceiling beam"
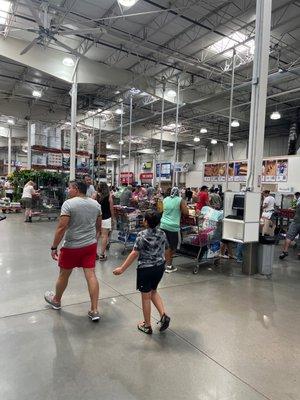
(50, 62)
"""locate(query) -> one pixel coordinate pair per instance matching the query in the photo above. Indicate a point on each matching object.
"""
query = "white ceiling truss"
(154, 41)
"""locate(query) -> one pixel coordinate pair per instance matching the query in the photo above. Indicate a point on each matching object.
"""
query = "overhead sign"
(126, 177)
(146, 176)
(166, 174)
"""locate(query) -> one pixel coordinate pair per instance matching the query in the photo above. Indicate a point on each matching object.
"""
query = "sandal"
(146, 329)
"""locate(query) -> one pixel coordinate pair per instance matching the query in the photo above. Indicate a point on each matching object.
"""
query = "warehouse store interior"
(188, 103)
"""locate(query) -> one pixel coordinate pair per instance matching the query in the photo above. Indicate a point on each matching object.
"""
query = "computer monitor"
(238, 202)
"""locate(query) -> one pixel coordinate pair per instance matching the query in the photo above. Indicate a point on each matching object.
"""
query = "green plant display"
(41, 178)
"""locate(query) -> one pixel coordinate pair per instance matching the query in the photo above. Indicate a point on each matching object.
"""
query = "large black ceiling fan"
(47, 30)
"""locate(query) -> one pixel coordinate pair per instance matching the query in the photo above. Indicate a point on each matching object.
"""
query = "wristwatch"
(53, 248)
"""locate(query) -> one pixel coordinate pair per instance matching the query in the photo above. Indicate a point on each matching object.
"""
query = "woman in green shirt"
(173, 207)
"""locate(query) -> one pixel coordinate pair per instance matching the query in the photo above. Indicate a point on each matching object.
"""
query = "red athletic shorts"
(82, 257)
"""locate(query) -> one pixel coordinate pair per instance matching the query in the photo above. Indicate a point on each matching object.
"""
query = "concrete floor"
(231, 337)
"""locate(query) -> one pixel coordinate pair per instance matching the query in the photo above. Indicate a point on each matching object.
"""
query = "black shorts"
(172, 238)
(148, 278)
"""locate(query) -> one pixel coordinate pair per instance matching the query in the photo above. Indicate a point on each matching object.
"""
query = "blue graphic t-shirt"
(151, 245)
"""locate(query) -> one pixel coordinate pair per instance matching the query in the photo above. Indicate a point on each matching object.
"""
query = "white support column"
(28, 145)
(161, 133)
(93, 150)
(130, 137)
(73, 127)
(9, 150)
(259, 94)
(176, 134)
(230, 119)
(121, 145)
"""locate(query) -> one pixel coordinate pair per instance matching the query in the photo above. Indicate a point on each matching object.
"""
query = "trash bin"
(266, 249)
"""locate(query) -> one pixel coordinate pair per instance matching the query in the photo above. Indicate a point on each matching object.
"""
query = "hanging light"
(162, 150)
(196, 139)
(213, 141)
(108, 146)
(99, 110)
(68, 62)
(203, 130)
(275, 115)
(171, 93)
(123, 156)
(121, 142)
(119, 111)
(37, 93)
(135, 91)
(127, 3)
(230, 144)
(235, 123)
(10, 121)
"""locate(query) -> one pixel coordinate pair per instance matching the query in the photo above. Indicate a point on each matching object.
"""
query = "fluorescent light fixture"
(230, 144)
(233, 41)
(203, 130)
(121, 142)
(171, 93)
(5, 7)
(117, 92)
(162, 150)
(68, 62)
(119, 111)
(113, 156)
(127, 3)
(108, 146)
(171, 127)
(37, 93)
(275, 115)
(10, 121)
(135, 91)
(213, 141)
(196, 139)
(235, 123)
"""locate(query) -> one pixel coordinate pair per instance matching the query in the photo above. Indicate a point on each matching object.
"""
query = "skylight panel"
(227, 43)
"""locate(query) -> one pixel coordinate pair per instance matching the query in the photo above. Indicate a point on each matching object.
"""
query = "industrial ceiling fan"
(47, 30)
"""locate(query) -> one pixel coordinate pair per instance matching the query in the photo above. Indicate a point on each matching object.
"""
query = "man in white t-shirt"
(268, 205)
(91, 192)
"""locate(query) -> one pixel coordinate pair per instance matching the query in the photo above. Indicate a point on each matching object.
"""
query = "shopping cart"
(45, 208)
(129, 222)
(200, 243)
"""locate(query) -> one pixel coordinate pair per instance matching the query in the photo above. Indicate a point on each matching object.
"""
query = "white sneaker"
(170, 269)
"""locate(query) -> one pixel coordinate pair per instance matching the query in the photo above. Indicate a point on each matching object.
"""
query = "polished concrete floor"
(231, 337)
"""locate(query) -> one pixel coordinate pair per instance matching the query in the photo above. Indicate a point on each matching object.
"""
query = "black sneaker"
(164, 323)
(283, 255)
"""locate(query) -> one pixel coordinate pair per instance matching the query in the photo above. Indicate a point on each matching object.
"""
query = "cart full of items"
(45, 205)
(129, 222)
(201, 236)
(8, 206)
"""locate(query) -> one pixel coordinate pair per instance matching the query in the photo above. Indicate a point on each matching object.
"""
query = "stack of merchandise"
(39, 134)
(55, 159)
(54, 138)
(39, 159)
(66, 139)
(83, 142)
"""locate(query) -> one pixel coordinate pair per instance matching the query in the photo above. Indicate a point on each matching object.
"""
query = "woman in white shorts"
(104, 198)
